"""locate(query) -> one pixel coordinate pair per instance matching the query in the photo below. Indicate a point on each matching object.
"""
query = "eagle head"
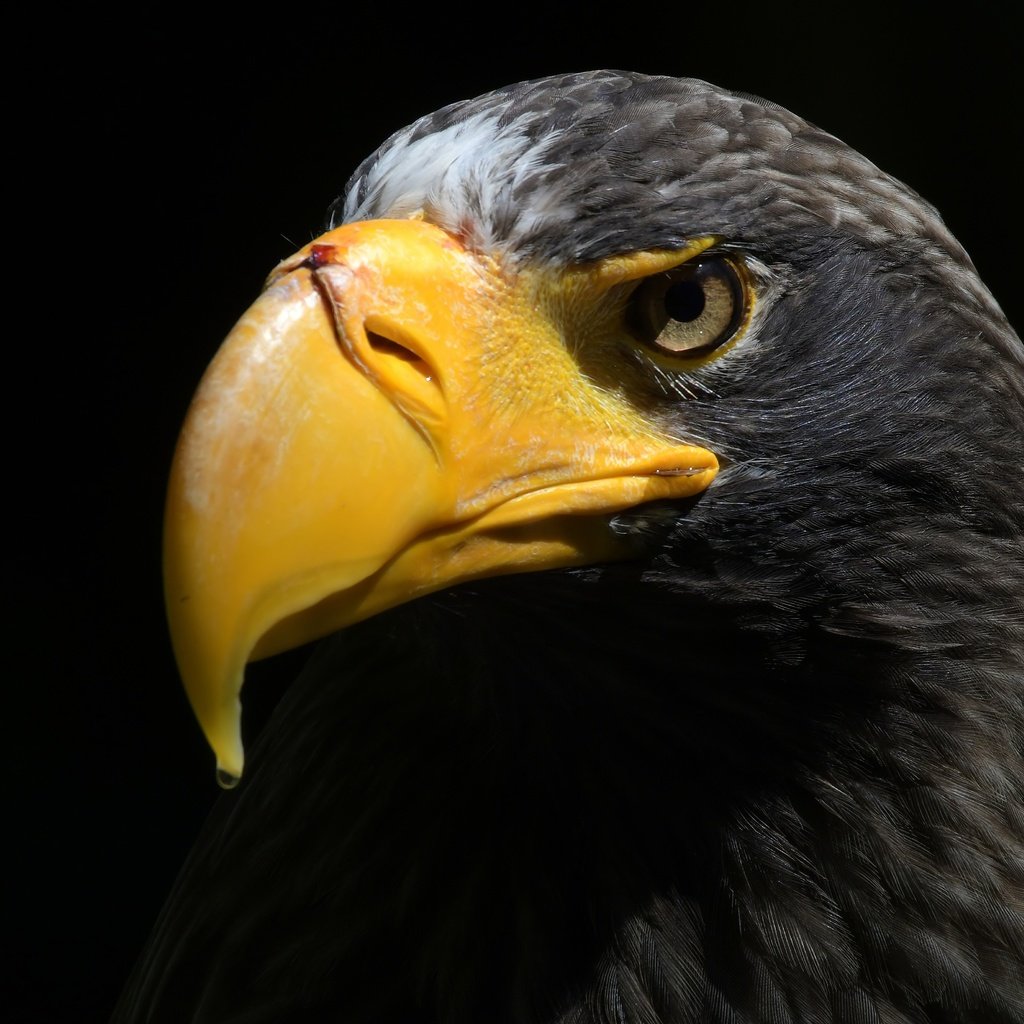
(660, 459)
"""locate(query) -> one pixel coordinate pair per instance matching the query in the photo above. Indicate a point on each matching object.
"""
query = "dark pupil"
(684, 301)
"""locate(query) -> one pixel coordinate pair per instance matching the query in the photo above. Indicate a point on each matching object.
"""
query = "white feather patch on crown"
(470, 178)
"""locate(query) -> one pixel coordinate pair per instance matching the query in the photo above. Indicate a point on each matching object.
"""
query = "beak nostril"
(388, 347)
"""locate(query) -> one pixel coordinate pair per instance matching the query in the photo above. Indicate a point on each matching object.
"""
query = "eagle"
(651, 467)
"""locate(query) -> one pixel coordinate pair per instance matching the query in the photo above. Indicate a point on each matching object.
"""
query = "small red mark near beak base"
(319, 256)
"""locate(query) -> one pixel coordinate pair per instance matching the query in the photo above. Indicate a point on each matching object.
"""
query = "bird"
(647, 464)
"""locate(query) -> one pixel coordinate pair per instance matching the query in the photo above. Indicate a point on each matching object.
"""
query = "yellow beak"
(394, 415)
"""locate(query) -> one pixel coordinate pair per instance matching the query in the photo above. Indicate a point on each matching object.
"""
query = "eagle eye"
(691, 310)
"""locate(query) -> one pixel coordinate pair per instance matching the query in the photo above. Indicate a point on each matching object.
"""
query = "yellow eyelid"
(635, 266)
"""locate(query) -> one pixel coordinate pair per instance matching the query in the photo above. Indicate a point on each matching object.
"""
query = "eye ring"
(692, 310)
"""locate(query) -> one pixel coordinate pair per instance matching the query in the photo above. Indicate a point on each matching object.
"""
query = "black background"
(179, 163)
